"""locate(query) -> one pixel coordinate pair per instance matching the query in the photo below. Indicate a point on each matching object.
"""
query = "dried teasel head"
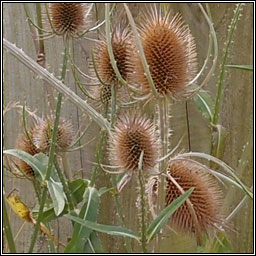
(206, 197)
(122, 50)
(134, 133)
(24, 144)
(170, 52)
(69, 18)
(43, 132)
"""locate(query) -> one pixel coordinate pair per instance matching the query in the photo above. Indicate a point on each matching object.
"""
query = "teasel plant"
(137, 145)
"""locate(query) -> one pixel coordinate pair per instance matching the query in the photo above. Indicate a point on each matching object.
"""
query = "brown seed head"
(133, 134)
(24, 144)
(170, 53)
(43, 133)
(206, 197)
(122, 50)
(68, 18)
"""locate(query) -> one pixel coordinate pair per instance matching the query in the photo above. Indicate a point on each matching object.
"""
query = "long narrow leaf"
(163, 217)
(88, 212)
(108, 229)
(242, 67)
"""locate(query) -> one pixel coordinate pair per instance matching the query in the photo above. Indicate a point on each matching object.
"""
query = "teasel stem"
(56, 84)
(41, 57)
(113, 104)
(113, 179)
(7, 229)
(65, 186)
(48, 174)
(142, 205)
(51, 158)
(164, 131)
(220, 85)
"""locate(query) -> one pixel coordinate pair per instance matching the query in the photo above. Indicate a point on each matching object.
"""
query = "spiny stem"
(41, 57)
(220, 85)
(57, 84)
(65, 186)
(164, 131)
(143, 208)
(51, 158)
(7, 229)
(188, 127)
(47, 176)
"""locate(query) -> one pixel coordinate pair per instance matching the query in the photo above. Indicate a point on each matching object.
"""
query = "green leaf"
(94, 244)
(57, 196)
(242, 67)
(111, 230)
(104, 190)
(44, 159)
(163, 217)
(30, 160)
(205, 104)
(77, 188)
(89, 211)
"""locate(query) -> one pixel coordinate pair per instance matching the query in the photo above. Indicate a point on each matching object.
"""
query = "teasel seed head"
(43, 132)
(122, 49)
(170, 52)
(206, 197)
(24, 144)
(69, 18)
(134, 133)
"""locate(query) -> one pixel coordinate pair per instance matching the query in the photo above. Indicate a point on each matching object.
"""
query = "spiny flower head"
(68, 18)
(43, 132)
(122, 50)
(170, 52)
(206, 197)
(134, 133)
(24, 144)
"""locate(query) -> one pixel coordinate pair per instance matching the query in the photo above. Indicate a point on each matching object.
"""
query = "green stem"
(66, 166)
(51, 157)
(65, 186)
(47, 176)
(164, 131)
(41, 57)
(220, 85)
(7, 229)
(113, 104)
(143, 210)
